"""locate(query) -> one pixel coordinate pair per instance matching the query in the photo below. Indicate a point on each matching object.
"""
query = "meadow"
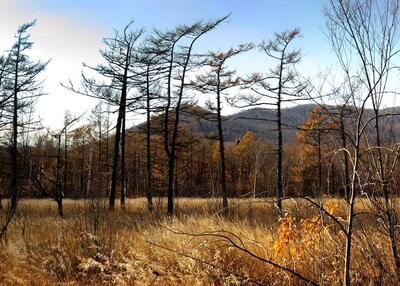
(198, 246)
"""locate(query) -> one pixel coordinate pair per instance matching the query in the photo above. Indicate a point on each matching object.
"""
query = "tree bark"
(149, 191)
(59, 192)
(222, 153)
(123, 185)
(280, 144)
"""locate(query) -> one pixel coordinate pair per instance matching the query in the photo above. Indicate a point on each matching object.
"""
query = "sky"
(70, 32)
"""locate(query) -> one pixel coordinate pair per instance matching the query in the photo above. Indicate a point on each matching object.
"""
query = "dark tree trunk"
(319, 163)
(170, 203)
(82, 179)
(149, 191)
(121, 115)
(14, 149)
(59, 192)
(60, 208)
(100, 162)
(65, 161)
(280, 151)
(222, 153)
(123, 184)
(107, 161)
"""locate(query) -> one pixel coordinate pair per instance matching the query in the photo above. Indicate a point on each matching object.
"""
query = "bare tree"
(59, 189)
(178, 62)
(364, 35)
(120, 56)
(279, 86)
(217, 80)
(22, 87)
(151, 60)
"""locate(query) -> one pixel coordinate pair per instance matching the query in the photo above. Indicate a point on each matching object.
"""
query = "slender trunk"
(280, 144)
(176, 179)
(14, 149)
(82, 183)
(107, 163)
(123, 185)
(222, 154)
(351, 201)
(59, 192)
(319, 164)
(280, 157)
(170, 163)
(171, 152)
(89, 180)
(350, 215)
(100, 162)
(120, 118)
(170, 203)
(149, 191)
(65, 160)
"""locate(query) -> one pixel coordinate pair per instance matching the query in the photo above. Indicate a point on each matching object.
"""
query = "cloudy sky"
(70, 32)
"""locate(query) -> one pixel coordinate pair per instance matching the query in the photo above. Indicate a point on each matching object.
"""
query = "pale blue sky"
(70, 32)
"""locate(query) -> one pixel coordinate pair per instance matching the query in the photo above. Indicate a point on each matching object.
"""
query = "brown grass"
(91, 246)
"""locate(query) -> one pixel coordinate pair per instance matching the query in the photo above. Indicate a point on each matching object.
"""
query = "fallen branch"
(245, 250)
(205, 262)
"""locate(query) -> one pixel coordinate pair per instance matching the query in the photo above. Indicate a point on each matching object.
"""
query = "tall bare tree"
(119, 72)
(281, 85)
(179, 45)
(151, 60)
(217, 80)
(22, 86)
(364, 34)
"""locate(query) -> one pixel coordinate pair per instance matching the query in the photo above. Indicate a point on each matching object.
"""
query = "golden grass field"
(92, 246)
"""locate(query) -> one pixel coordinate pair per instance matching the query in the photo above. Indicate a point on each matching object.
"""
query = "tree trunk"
(59, 192)
(121, 115)
(222, 154)
(319, 164)
(14, 150)
(82, 183)
(65, 160)
(350, 217)
(280, 144)
(123, 184)
(149, 191)
(170, 203)
(89, 180)
(107, 162)
(280, 158)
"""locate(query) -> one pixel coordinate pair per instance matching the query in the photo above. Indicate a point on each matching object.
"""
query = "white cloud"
(66, 42)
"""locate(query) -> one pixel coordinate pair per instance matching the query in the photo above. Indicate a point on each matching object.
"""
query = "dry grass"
(91, 246)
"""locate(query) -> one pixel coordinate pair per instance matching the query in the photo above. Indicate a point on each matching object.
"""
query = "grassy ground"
(131, 246)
